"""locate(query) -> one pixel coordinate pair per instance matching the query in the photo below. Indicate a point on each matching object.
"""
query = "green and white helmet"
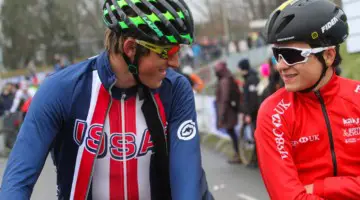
(160, 21)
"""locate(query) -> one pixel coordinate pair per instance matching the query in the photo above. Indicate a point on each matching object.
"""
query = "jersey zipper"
(331, 140)
(123, 143)
(162, 125)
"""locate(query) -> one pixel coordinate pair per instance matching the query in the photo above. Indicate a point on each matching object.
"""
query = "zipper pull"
(123, 96)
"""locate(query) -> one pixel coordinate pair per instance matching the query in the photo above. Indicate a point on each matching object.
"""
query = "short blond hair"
(113, 43)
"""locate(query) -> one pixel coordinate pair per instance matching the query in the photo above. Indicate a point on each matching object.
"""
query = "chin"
(154, 85)
(291, 88)
(295, 87)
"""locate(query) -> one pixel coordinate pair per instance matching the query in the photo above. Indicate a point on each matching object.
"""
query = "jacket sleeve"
(251, 99)
(187, 178)
(198, 82)
(341, 187)
(275, 158)
(223, 99)
(31, 148)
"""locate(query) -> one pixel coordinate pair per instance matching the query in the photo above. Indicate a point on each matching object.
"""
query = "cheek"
(310, 72)
(147, 65)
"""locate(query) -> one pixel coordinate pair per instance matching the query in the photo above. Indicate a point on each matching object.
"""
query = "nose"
(173, 61)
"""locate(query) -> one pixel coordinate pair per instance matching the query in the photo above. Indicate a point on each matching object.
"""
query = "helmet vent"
(144, 8)
(284, 23)
(175, 6)
(159, 6)
(162, 27)
(128, 11)
(272, 21)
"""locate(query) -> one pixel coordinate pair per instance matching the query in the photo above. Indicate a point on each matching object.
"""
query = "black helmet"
(159, 21)
(317, 22)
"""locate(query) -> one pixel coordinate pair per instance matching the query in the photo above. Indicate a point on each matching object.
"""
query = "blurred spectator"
(21, 96)
(187, 55)
(31, 67)
(196, 48)
(57, 65)
(251, 100)
(264, 79)
(196, 82)
(255, 40)
(251, 81)
(249, 41)
(60, 62)
(275, 81)
(227, 116)
(6, 98)
(232, 47)
(242, 46)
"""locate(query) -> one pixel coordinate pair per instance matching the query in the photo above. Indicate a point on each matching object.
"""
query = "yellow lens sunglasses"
(163, 51)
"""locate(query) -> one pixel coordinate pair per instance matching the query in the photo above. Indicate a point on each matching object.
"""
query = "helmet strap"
(324, 69)
(133, 66)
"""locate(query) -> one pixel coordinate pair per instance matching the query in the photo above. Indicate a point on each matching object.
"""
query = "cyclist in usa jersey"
(121, 125)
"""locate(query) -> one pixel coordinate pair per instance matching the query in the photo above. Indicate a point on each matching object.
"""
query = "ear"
(129, 48)
(329, 56)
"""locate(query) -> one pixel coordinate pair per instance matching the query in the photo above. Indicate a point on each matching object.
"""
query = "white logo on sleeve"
(357, 90)
(187, 130)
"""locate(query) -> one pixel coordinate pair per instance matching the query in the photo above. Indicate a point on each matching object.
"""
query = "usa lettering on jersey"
(116, 146)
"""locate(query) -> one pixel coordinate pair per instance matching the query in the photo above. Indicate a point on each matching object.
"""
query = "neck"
(328, 74)
(124, 79)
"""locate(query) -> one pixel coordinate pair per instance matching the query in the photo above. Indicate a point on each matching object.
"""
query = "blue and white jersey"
(71, 107)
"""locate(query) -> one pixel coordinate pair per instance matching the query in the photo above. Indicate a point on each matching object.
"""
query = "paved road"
(227, 182)
(232, 182)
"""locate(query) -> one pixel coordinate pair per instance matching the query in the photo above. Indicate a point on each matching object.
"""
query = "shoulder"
(176, 81)
(349, 91)
(173, 77)
(72, 72)
(349, 87)
(61, 84)
(175, 91)
(70, 75)
(280, 97)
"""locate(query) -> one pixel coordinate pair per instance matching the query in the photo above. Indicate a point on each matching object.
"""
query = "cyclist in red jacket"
(308, 134)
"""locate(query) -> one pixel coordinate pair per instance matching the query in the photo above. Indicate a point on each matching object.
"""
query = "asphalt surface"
(226, 182)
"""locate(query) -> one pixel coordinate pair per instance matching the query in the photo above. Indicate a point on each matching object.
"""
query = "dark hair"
(338, 58)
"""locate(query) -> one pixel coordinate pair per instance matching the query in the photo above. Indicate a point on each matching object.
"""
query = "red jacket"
(311, 138)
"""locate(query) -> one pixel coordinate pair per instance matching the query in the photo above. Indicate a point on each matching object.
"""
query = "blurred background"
(38, 37)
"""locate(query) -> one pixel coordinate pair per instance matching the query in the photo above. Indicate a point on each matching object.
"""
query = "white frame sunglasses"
(305, 52)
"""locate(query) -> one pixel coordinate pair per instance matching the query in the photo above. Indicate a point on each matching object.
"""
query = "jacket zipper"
(123, 143)
(162, 125)
(331, 140)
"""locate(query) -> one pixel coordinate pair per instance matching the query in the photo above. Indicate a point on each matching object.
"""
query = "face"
(152, 68)
(302, 75)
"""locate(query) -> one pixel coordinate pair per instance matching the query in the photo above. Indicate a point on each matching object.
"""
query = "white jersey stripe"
(101, 178)
(96, 84)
